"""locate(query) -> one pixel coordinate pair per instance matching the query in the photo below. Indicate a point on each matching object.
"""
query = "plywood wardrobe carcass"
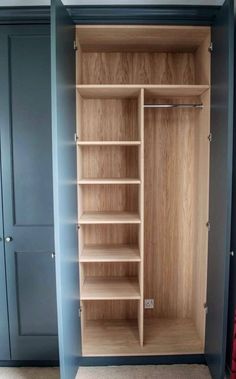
(143, 121)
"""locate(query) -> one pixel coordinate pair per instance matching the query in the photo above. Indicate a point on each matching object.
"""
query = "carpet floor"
(29, 373)
(145, 372)
(121, 372)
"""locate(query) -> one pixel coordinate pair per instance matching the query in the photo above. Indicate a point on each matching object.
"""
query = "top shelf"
(142, 38)
(132, 91)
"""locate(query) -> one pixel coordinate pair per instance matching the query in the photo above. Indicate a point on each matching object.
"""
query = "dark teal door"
(4, 327)
(26, 154)
(65, 190)
(220, 189)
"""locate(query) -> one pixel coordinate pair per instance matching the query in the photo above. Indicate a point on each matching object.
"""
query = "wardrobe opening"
(143, 130)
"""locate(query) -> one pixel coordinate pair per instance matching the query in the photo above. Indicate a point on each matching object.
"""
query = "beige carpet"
(121, 372)
(145, 372)
(29, 373)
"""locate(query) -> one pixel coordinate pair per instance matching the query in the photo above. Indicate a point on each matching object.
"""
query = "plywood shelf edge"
(109, 218)
(110, 288)
(110, 253)
(109, 181)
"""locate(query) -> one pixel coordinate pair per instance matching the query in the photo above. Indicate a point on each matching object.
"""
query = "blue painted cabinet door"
(220, 189)
(64, 187)
(4, 326)
(26, 153)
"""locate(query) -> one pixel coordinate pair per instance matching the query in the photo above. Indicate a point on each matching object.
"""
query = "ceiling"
(111, 2)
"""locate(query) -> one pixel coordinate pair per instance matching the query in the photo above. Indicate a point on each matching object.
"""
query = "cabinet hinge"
(210, 48)
(208, 225)
(79, 311)
(76, 138)
(232, 253)
(75, 46)
(205, 307)
(210, 137)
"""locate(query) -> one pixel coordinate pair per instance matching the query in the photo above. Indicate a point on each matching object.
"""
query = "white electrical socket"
(148, 303)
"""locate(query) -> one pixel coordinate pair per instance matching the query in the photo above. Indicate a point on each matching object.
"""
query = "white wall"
(112, 2)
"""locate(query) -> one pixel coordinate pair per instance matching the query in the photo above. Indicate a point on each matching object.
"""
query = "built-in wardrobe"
(143, 130)
(142, 150)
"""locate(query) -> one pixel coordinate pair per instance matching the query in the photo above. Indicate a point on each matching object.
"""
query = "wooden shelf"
(109, 218)
(109, 181)
(108, 91)
(120, 337)
(110, 253)
(110, 288)
(108, 143)
(174, 90)
(129, 91)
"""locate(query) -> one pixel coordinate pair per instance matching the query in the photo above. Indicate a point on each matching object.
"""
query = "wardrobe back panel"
(138, 68)
(171, 209)
(111, 310)
(105, 198)
(108, 119)
(109, 162)
(110, 234)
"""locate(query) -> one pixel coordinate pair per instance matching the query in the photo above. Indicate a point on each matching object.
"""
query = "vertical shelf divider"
(141, 212)
(79, 176)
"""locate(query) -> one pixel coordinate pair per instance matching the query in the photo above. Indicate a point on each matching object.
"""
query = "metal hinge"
(232, 253)
(210, 48)
(76, 138)
(205, 307)
(79, 311)
(210, 137)
(75, 46)
(208, 225)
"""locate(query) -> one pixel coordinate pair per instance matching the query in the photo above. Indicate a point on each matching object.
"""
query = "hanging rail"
(173, 106)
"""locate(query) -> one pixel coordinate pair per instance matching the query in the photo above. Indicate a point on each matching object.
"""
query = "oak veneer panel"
(169, 210)
(174, 91)
(202, 168)
(110, 309)
(109, 162)
(110, 253)
(104, 92)
(140, 38)
(138, 68)
(109, 120)
(110, 288)
(110, 198)
(111, 269)
(109, 218)
(203, 61)
(121, 337)
(110, 234)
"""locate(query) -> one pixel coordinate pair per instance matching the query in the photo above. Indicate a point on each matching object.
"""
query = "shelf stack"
(110, 149)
